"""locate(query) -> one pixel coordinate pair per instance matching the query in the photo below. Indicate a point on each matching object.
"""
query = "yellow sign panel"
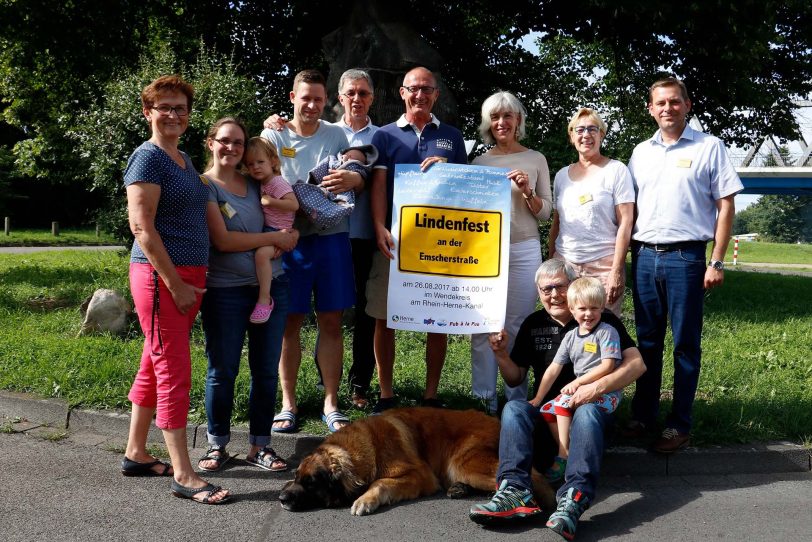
(449, 241)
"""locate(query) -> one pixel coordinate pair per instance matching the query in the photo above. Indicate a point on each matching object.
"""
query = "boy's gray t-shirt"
(585, 352)
(244, 214)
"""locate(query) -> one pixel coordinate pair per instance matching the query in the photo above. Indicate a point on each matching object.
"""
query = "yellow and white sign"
(451, 226)
(450, 242)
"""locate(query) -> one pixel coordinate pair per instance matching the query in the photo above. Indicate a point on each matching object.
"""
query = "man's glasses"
(589, 129)
(425, 90)
(229, 143)
(548, 290)
(363, 94)
(166, 110)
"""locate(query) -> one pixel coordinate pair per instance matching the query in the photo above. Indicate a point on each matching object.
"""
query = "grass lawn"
(756, 379)
(66, 237)
(778, 253)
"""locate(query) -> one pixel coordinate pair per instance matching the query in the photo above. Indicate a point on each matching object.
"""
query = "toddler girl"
(279, 205)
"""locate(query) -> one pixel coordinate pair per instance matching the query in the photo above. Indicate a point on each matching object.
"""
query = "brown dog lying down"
(400, 455)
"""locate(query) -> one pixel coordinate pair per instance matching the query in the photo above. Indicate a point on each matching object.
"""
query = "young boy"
(593, 348)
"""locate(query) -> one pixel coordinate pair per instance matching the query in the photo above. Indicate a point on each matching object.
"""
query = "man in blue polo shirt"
(685, 186)
(416, 138)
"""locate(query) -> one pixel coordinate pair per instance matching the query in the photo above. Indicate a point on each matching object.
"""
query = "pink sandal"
(261, 313)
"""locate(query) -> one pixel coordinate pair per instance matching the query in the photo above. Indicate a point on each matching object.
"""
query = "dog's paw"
(363, 506)
(458, 490)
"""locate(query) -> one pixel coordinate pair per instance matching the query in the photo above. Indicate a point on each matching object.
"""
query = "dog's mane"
(343, 469)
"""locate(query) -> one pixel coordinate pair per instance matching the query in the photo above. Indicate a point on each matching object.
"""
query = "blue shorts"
(321, 264)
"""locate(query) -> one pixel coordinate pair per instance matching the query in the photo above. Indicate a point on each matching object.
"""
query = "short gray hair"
(554, 266)
(353, 75)
(501, 101)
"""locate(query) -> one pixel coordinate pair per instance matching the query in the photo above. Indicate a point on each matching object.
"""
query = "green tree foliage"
(108, 133)
(56, 59)
(778, 219)
(744, 61)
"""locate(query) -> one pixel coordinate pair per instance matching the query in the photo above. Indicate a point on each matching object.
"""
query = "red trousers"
(164, 377)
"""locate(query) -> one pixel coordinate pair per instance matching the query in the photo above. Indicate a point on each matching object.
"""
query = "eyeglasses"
(362, 94)
(166, 110)
(590, 129)
(548, 290)
(228, 143)
(426, 90)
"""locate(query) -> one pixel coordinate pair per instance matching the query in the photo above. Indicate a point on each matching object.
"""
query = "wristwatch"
(532, 193)
(716, 264)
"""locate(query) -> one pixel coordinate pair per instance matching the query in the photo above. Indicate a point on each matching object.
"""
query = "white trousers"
(522, 297)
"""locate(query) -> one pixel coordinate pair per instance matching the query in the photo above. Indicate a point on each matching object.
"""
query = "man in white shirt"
(685, 186)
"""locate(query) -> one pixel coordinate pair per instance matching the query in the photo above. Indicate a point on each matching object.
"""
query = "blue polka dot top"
(181, 214)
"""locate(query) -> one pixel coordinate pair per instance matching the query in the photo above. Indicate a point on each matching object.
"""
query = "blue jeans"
(589, 423)
(668, 284)
(225, 313)
(586, 446)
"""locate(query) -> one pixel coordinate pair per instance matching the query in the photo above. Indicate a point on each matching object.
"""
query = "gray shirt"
(300, 154)
(585, 352)
(237, 268)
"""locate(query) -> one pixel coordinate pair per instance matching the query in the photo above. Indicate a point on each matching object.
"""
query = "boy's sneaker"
(564, 520)
(509, 502)
(555, 473)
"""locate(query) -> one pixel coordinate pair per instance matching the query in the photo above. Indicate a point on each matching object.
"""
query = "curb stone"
(770, 457)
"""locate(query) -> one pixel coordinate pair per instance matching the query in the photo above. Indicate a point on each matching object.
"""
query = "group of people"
(230, 234)
(682, 190)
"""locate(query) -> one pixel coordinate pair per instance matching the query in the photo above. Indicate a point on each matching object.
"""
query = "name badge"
(288, 152)
(590, 347)
(227, 210)
(585, 198)
(684, 162)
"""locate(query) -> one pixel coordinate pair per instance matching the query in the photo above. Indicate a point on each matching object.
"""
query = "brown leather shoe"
(671, 441)
(635, 430)
(359, 400)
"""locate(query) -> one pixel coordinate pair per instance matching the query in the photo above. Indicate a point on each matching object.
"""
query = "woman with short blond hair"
(594, 210)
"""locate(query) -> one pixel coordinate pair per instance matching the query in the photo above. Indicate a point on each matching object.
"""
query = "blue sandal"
(286, 416)
(333, 419)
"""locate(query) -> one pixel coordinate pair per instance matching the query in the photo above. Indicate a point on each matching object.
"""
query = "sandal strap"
(285, 416)
(210, 491)
(210, 455)
(336, 416)
(268, 453)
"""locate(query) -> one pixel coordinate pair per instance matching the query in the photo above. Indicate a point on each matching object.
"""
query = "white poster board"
(451, 226)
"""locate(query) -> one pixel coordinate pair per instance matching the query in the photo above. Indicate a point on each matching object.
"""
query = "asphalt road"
(71, 489)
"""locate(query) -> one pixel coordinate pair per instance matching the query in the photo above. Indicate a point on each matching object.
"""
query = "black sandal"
(189, 493)
(134, 468)
(265, 458)
(221, 458)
